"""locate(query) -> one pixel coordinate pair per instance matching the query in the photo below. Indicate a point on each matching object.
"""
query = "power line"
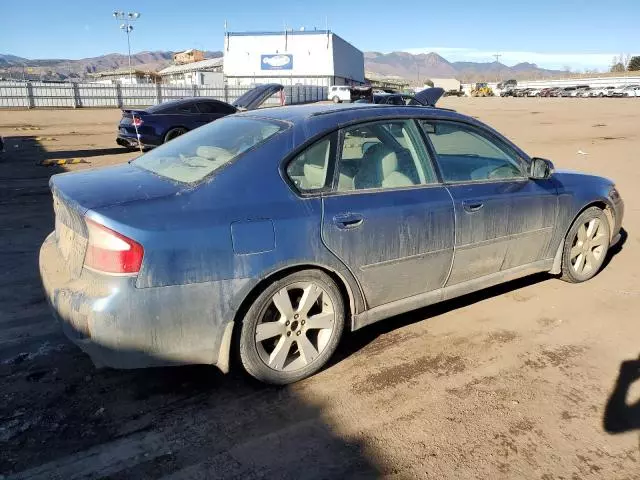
(497, 55)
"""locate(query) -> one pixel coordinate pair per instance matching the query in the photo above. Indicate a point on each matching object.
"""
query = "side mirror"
(540, 168)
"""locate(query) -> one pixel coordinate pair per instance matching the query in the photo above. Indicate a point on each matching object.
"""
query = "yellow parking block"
(44, 139)
(28, 128)
(61, 161)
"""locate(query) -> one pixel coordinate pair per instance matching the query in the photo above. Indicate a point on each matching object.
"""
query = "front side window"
(466, 154)
(384, 155)
(194, 155)
(308, 170)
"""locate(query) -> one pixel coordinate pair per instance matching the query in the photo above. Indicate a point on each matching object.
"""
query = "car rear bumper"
(127, 137)
(121, 326)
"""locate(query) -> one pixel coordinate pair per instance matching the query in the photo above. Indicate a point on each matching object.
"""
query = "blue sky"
(552, 33)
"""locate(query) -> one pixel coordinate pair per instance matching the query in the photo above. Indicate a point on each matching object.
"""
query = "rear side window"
(194, 155)
(308, 170)
(185, 108)
(215, 107)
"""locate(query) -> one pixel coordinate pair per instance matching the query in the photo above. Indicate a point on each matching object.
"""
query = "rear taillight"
(111, 252)
(137, 121)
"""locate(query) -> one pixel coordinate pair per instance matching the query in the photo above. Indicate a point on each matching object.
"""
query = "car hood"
(429, 96)
(256, 96)
(102, 187)
(573, 177)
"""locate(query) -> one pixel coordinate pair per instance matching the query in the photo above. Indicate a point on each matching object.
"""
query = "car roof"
(322, 117)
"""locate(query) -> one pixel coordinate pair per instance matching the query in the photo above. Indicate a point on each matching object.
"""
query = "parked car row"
(574, 91)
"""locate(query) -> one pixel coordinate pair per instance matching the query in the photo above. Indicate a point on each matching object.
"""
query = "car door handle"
(472, 206)
(348, 220)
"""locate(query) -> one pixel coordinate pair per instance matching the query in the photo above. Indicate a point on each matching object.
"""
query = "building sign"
(277, 61)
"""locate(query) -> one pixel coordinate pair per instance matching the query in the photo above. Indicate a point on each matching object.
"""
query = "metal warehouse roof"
(210, 63)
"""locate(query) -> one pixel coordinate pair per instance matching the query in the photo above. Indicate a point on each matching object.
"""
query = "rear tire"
(174, 133)
(336, 99)
(585, 246)
(292, 328)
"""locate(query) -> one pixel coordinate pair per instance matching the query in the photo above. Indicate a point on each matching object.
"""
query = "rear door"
(503, 219)
(387, 217)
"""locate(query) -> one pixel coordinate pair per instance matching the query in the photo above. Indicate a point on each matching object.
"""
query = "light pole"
(127, 19)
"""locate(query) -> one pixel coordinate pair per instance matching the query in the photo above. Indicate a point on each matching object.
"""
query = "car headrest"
(388, 164)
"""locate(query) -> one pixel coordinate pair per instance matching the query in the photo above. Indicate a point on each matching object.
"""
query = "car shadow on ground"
(84, 153)
(620, 416)
(33, 147)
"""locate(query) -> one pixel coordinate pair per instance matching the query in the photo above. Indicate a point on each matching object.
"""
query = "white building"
(205, 72)
(447, 84)
(311, 57)
(124, 76)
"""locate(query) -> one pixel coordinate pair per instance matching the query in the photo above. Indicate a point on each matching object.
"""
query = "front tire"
(292, 328)
(174, 133)
(336, 99)
(585, 246)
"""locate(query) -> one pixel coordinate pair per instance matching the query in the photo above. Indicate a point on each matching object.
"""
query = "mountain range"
(64, 69)
(415, 68)
(423, 66)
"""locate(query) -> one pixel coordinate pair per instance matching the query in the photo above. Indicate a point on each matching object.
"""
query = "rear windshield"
(191, 157)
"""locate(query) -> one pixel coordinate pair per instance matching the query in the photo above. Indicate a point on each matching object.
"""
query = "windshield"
(193, 156)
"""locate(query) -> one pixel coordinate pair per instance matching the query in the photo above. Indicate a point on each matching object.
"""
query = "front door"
(387, 217)
(503, 219)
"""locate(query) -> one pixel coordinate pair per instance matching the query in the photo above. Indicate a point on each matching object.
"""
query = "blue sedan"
(158, 124)
(278, 230)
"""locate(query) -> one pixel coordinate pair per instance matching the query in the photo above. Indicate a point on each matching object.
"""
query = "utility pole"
(126, 27)
(497, 55)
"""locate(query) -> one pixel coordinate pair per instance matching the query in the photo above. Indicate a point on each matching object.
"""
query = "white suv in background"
(600, 91)
(339, 93)
(632, 91)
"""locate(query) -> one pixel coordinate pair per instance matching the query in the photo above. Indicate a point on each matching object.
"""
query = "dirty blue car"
(270, 234)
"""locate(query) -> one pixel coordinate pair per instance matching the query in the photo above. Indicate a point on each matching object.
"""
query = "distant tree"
(634, 64)
(428, 83)
(618, 67)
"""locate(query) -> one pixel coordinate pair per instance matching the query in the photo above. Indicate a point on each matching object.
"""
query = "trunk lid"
(429, 96)
(256, 96)
(76, 193)
(127, 116)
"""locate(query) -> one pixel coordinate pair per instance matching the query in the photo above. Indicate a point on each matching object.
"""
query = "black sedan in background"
(160, 123)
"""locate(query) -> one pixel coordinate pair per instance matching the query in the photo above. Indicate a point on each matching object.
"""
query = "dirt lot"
(509, 383)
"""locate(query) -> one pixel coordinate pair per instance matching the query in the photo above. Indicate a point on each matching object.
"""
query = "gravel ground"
(524, 380)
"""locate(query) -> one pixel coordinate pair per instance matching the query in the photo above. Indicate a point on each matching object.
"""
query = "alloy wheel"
(589, 247)
(296, 326)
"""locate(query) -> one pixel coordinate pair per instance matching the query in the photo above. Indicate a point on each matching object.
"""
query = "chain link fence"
(97, 95)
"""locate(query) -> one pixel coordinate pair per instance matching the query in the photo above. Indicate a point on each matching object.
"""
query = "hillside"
(64, 69)
(401, 64)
